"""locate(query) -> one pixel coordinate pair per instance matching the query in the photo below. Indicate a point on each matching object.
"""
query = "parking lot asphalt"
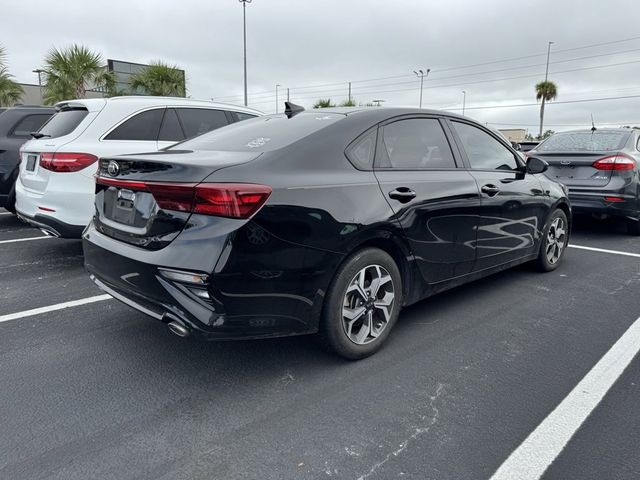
(100, 391)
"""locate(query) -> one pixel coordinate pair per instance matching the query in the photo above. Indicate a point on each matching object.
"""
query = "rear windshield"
(261, 134)
(63, 123)
(584, 142)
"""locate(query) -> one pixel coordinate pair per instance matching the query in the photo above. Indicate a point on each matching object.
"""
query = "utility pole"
(420, 74)
(244, 33)
(277, 85)
(546, 73)
(349, 93)
(464, 100)
(288, 95)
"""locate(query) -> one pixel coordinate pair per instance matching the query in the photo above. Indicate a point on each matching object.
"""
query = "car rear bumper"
(601, 203)
(70, 204)
(227, 313)
(52, 226)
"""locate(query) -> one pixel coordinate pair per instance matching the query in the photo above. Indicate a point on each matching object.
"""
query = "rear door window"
(143, 126)
(171, 131)
(415, 144)
(243, 116)
(28, 124)
(483, 150)
(197, 121)
(63, 122)
(361, 152)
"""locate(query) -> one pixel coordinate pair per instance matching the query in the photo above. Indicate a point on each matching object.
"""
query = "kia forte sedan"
(325, 222)
(600, 169)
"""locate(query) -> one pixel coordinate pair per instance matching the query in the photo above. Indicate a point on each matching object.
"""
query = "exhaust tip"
(177, 328)
(50, 233)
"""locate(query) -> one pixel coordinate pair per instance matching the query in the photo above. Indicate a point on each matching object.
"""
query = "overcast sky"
(305, 45)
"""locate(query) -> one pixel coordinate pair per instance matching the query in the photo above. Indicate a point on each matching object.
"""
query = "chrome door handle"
(490, 190)
(402, 194)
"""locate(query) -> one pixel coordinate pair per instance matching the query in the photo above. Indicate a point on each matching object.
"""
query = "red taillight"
(66, 162)
(233, 200)
(614, 199)
(615, 162)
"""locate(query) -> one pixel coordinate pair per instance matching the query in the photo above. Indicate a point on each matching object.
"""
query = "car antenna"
(593, 125)
(291, 109)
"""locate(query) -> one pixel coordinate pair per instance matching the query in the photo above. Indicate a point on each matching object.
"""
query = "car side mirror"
(536, 165)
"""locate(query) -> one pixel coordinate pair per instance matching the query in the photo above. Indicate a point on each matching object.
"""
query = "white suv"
(55, 188)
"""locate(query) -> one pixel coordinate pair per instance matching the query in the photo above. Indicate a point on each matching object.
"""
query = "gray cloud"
(305, 45)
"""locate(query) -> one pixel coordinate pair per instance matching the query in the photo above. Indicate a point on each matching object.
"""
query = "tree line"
(72, 71)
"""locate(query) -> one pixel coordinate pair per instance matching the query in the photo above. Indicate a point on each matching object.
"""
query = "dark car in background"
(16, 125)
(600, 168)
(528, 145)
(323, 221)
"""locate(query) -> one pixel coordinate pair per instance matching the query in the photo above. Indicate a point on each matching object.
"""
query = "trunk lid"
(576, 169)
(128, 187)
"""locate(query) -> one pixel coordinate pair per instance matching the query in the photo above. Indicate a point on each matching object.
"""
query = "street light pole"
(464, 100)
(420, 74)
(39, 72)
(546, 73)
(244, 33)
(277, 85)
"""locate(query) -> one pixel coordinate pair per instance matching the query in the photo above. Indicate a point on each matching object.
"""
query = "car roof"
(379, 114)
(589, 130)
(93, 104)
(36, 108)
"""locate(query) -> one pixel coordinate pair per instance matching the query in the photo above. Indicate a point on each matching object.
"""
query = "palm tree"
(324, 103)
(10, 91)
(545, 91)
(70, 72)
(160, 79)
(348, 103)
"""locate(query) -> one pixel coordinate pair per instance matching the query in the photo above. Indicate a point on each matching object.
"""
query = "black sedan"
(600, 169)
(319, 221)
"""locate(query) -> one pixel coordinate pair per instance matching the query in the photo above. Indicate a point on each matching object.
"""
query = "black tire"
(11, 200)
(543, 262)
(333, 334)
(633, 227)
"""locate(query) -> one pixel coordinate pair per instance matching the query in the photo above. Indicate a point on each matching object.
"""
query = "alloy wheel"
(368, 304)
(556, 238)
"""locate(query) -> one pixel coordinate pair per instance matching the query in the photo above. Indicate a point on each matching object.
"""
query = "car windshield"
(585, 142)
(261, 134)
(63, 123)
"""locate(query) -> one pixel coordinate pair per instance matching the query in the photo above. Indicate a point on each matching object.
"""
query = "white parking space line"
(604, 250)
(6, 213)
(52, 308)
(43, 237)
(531, 459)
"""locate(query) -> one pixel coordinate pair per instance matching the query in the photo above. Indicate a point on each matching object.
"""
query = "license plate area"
(32, 160)
(128, 207)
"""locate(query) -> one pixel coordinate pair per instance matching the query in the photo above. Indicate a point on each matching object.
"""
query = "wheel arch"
(394, 246)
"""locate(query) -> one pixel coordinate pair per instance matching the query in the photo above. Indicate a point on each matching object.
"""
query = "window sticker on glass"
(258, 142)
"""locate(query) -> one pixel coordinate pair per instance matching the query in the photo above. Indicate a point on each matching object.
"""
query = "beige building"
(515, 135)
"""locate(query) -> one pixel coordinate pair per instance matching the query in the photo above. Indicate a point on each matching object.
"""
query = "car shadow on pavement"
(592, 226)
